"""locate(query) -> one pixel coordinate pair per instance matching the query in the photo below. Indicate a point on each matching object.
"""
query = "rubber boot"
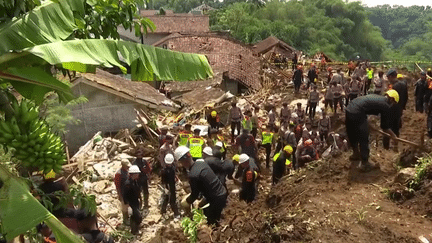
(356, 155)
(365, 166)
(126, 219)
(146, 203)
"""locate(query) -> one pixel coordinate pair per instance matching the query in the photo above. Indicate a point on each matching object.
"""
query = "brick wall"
(223, 55)
(180, 23)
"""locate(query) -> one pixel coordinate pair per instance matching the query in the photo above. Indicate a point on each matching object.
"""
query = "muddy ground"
(331, 201)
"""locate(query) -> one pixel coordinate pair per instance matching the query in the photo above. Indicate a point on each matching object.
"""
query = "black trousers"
(368, 83)
(358, 134)
(429, 124)
(235, 126)
(395, 126)
(248, 193)
(419, 104)
(297, 84)
(324, 135)
(337, 101)
(172, 200)
(254, 132)
(214, 211)
(278, 172)
(268, 152)
(312, 109)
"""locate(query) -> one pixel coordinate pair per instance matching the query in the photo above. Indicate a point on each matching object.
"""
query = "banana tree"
(30, 45)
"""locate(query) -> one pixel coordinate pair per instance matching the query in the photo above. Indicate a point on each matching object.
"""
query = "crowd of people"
(288, 137)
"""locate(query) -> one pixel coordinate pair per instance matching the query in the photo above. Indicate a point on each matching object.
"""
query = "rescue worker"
(370, 76)
(313, 101)
(290, 138)
(196, 144)
(249, 177)
(214, 162)
(166, 148)
(324, 127)
(337, 77)
(306, 153)
(235, 117)
(379, 83)
(337, 91)
(312, 75)
(214, 121)
(49, 186)
(397, 109)
(297, 78)
(120, 179)
(247, 123)
(419, 92)
(329, 74)
(144, 176)
(246, 143)
(357, 125)
(132, 197)
(255, 122)
(183, 136)
(162, 135)
(272, 117)
(218, 141)
(281, 162)
(268, 140)
(300, 112)
(285, 113)
(328, 98)
(168, 180)
(202, 180)
(428, 94)
(354, 88)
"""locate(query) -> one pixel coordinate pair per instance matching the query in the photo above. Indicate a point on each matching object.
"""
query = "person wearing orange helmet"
(298, 78)
(329, 74)
(312, 75)
(306, 153)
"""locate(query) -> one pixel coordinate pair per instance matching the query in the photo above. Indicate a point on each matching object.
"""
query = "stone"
(100, 185)
(405, 175)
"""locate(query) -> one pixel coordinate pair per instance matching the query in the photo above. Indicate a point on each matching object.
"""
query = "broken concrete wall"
(103, 112)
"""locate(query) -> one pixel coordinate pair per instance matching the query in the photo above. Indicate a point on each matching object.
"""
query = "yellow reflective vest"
(196, 146)
(184, 137)
(267, 137)
(287, 162)
(370, 73)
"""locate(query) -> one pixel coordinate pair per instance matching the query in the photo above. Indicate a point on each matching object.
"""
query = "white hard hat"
(180, 152)
(134, 169)
(169, 159)
(208, 151)
(294, 115)
(219, 144)
(243, 158)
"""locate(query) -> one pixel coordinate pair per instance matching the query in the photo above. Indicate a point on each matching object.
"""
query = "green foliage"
(423, 166)
(341, 30)
(102, 17)
(13, 8)
(190, 226)
(58, 115)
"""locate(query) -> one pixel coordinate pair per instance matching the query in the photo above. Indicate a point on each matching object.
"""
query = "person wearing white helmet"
(168, 179)
(215, 163)
(119, 180)
(203, 181)
(132, 197)
(249, 177)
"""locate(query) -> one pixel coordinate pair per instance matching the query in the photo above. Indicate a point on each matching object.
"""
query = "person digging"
(281, 161)
(202, 180)
(357, 125)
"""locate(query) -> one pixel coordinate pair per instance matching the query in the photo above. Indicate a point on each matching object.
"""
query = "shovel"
(397, 139)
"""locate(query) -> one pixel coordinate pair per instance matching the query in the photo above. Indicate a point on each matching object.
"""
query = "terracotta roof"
(224, 55)
(139, 92)
(194, 85)
(273, 42)
(185, 23)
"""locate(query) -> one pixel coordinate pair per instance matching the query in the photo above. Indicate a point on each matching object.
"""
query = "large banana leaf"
(52, 21)
(147, 63)
(20, 211)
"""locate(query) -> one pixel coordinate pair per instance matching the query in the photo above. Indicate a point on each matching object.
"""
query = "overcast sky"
(372, 3)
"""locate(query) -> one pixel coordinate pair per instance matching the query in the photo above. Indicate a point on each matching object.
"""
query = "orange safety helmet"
(329, 69)
(308, 142)
(313, 65)
(299, 67)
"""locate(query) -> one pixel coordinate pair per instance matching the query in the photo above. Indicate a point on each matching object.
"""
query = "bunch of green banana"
(34, 142)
